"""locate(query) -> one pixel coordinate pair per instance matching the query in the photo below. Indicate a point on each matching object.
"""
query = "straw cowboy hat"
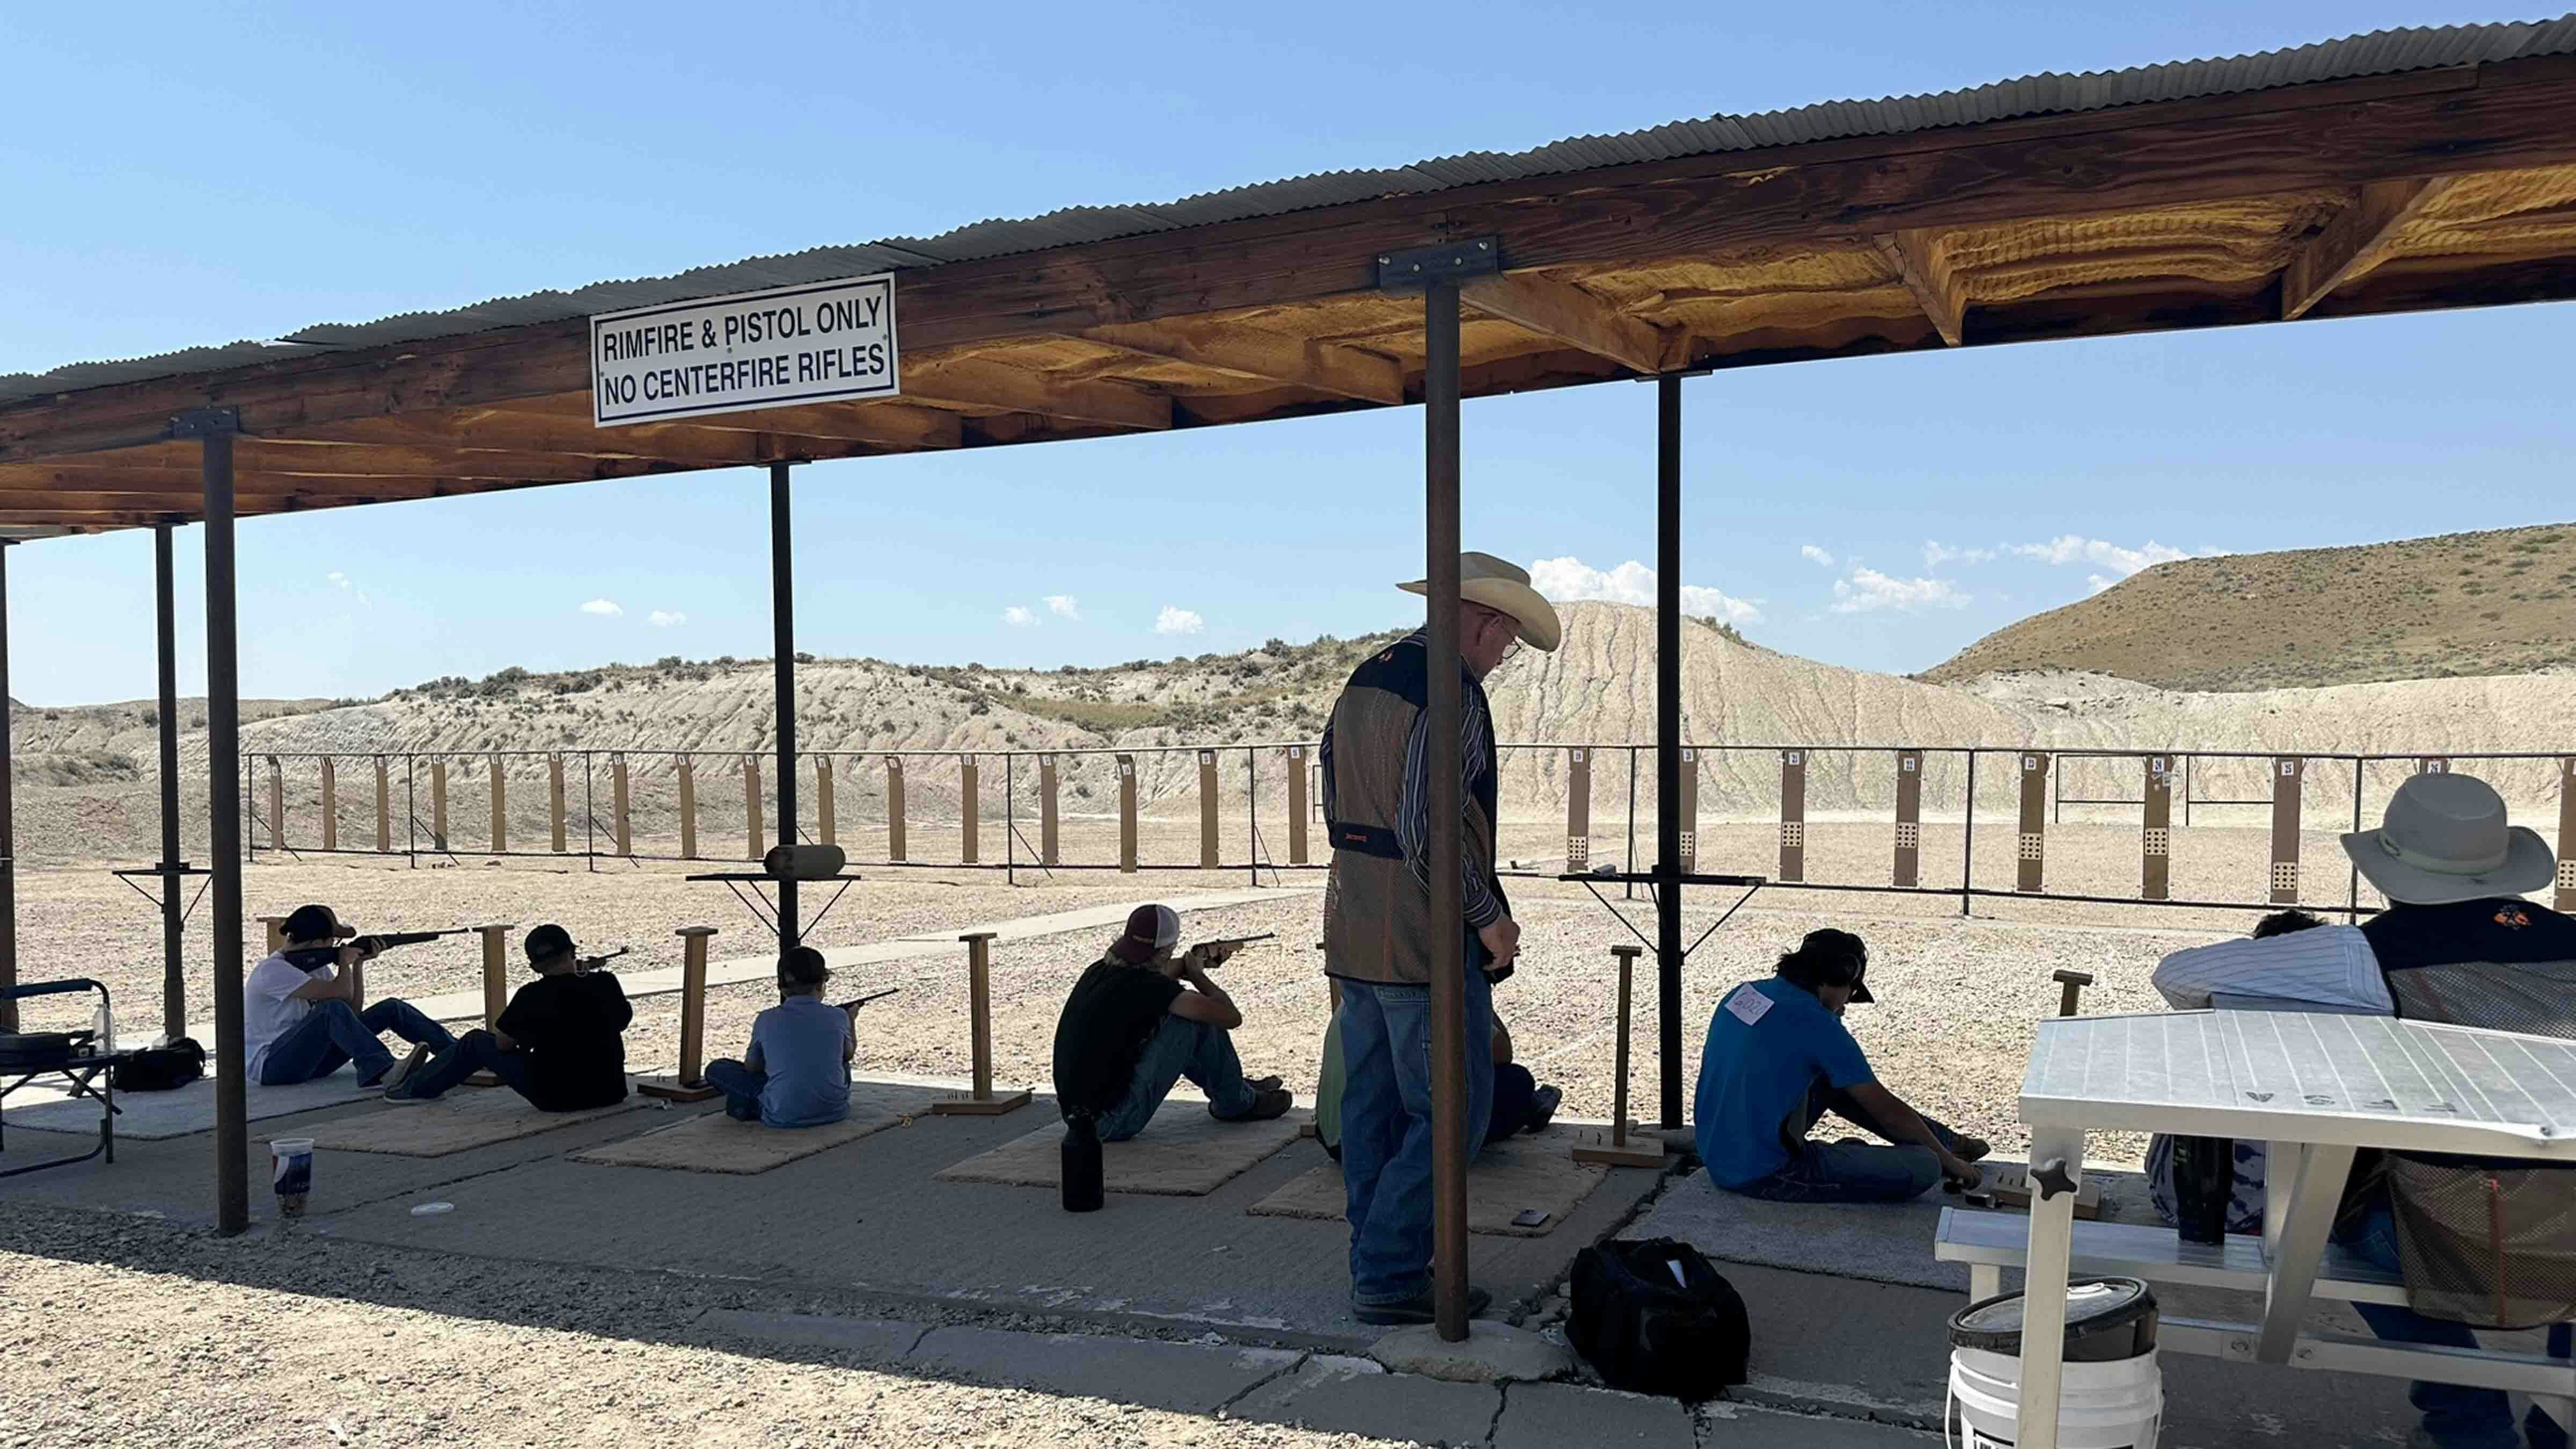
(2444, 839)
(1504, 588)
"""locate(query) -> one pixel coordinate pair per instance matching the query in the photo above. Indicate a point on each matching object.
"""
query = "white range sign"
(815, 342)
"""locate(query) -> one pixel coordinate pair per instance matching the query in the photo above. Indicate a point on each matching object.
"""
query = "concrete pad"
(1183, 1152)
(1192, 1378)
(714, 1142)
(1337, 1395)
(1493, 1353)
(1546, 1416)
(1878, 1242)
(158, 1116)
(465, 1118)
(1513, 1175)
(873, 1340)
(1734, 1426)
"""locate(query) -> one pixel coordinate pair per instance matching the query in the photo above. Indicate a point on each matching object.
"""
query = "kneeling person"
(1778, 1058)
(298, 1023)
(559, 1042)
(796, 1073)
(1141, 1019)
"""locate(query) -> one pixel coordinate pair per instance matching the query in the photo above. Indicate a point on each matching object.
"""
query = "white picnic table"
(2317, 1088)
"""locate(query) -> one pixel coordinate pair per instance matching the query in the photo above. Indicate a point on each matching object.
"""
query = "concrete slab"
(1493, 1353)
(1513, 1175)
(155, 1116)
(1183, 1152)
(869, 1340)
(714, 1142)
(1354, 1396)
(1190, 1377)
(1879, 1242)
(465, 1118)
(1549, 1416)
(1737, 1426)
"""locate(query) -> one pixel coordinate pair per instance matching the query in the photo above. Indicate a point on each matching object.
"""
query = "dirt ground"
(1951, 1032)
(128, 1334)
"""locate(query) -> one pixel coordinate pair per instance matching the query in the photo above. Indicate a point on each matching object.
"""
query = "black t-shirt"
(570, 1025)
(1114, 1010)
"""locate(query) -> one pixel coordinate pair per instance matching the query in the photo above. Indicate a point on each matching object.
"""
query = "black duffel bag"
(161, 1068)
(1654, 1317)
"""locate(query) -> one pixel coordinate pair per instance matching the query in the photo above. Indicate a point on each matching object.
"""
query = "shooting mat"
(1515, 1174)
(154, 1116)
(465, 1118)
(714, 1142)
(1183, 1152)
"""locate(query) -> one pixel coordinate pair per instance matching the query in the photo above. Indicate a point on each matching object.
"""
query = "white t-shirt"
(269, 1007)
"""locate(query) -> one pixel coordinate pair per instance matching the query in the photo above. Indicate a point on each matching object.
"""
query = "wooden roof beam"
(1000, 387)
(1919, 259)
(1261, 355)
(1571, 315)
(2360, 237)
(885, 426)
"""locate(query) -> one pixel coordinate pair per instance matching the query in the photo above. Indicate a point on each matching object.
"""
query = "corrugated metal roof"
(2384, 52)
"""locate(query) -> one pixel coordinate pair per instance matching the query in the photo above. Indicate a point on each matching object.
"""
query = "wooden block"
(993, 1106)
(2010, 1184)
(480, 1079)
(1593, 1145)
(670, 1089)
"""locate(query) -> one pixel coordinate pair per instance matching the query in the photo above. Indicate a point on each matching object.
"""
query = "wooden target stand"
(496, 986)
(1613, 1147)
(981, 1100)
(689, 1083)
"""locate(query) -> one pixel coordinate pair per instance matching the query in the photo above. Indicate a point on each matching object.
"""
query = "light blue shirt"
(1768, 1046)
(799, 1043)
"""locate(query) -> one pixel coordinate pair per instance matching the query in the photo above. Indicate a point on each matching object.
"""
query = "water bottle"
(1083, 1192)
(2204, 1170)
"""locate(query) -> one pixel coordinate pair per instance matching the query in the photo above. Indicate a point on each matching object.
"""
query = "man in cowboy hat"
(1378, 930)
(2457, 944)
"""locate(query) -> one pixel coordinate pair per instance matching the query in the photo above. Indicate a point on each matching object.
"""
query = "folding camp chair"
(85, 1063)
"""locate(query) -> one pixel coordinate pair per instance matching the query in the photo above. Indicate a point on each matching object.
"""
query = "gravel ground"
(119, 1333)
(1958, 998)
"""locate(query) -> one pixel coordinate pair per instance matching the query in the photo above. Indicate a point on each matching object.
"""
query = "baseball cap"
(548, 941)
(315, 923)
(1830, 958)
(1154, 927)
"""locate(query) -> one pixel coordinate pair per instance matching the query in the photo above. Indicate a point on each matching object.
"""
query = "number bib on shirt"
(1747, 1004)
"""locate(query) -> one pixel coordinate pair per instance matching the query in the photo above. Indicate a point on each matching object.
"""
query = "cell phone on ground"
(1530, 1217)
(872, 996)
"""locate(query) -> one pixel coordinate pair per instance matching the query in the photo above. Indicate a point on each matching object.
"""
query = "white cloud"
(2070, 548)
(1064, 606)
(340, 581)
(1019, 618)
(666, 618)
(1936, 553)
(1815, 555)
(1868, 590)
(604, 608)
(1178, 621)
(2100, 581)
(1569, 580)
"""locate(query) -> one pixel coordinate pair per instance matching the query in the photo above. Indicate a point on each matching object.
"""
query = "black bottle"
(2204, 1170)
(1081, 1172)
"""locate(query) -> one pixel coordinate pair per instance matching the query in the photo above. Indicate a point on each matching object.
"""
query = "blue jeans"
(334, 1032)
(1852, 1171)
(2455, 1416)
(476, 1051)
(1386, 1126)
(741, 1087)
(1180, 1048)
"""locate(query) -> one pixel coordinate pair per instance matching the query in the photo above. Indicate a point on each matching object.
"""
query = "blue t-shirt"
(798, 1043)
(1768, 1046)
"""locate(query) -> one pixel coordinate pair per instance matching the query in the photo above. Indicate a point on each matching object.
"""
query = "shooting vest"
(2484, 1241)
(1377, 912)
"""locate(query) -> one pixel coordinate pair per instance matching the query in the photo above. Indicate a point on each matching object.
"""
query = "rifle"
(871, 996)
(1235, 941)
(600, 963)
(383, 941)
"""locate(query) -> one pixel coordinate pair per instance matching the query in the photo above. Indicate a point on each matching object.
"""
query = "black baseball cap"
(315, 923)
(1830, 958)
(548, 941)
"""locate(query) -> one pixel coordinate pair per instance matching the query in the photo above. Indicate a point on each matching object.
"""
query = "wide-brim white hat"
(2444, 839)
(1505, 588)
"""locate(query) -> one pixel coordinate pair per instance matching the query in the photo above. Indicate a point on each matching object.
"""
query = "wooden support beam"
(890, 426)
(974, 383)
(2360, 237)
(1919, 259)
(1262, 355)
(1571, 315)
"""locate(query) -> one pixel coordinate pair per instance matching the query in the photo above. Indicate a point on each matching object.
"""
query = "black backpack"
(1654, 1317)
(161, 1068)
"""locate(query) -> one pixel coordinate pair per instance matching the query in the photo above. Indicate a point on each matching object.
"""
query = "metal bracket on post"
(206, 423)
(1447, 262)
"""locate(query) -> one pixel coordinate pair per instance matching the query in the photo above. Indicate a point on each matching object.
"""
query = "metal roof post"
(782, 586)
(1668, 742)
(8, 816)
(174, 986)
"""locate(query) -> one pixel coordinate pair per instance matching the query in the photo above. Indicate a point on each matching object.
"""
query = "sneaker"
(1416, 1309)
(1970, 1149)
(1266, 1103)
(1264, 1084)
(401, 1071)
(1543, 1105)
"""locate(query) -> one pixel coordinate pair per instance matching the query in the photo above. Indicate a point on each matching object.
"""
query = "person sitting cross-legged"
(796, 1072)
(559, 1042)
(1778, 1058)
(298, 1023)
(1141, 1019)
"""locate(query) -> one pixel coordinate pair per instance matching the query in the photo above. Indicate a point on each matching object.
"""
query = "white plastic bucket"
(2116, 1405)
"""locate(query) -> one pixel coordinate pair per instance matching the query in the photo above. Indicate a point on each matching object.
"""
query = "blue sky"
(185, 176)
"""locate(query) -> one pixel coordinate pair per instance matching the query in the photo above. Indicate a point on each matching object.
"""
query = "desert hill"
(2459, 605)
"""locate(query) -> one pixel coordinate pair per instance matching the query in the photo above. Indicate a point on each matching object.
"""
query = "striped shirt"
(2330, 965)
